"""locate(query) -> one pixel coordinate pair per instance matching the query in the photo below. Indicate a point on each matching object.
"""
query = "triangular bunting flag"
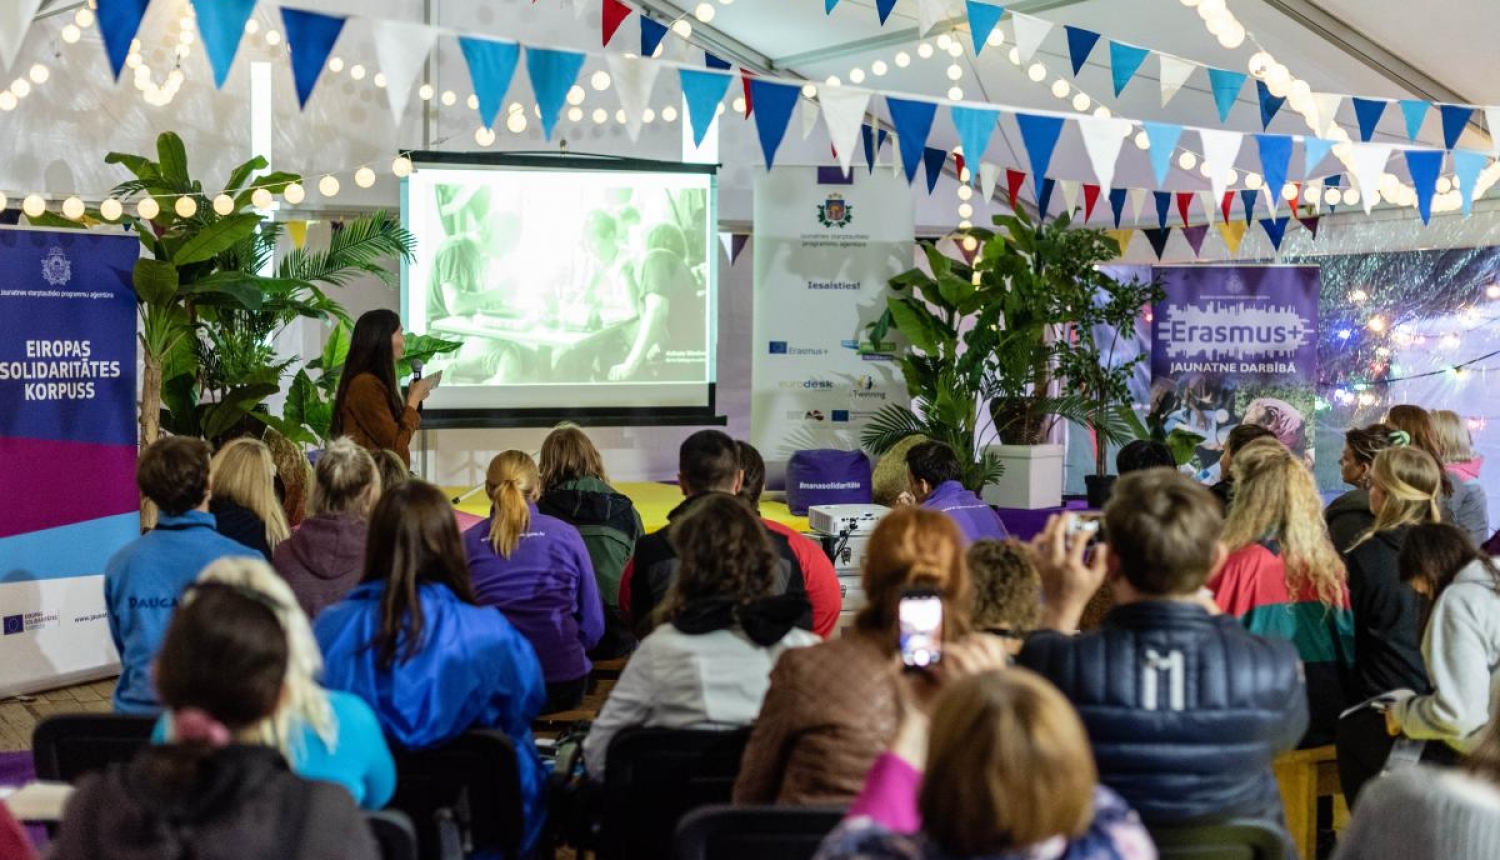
(1137, 203)
(1122, 238)
(1069, 190)
(913, 122)
(1312, 225)
(552, 75)
(1424, 165)
(933, 160)
(1117, 203)
(1226, 204)
(1234, 234)
(1314, 150)
(930, 15)
(1226, 86)
(1327, 106)
(1368, 112)
(884, 7)
(844, 112)
(611, 15)
(1163, 206)
(1275, 229)
(1158, 237)
(1039, 134)
(713, 61)
(1248, 196)
(1220, 149)
(975, 125)
(1124, 61)
(1466, 167)
(402, 48)
(652, 32)
(16, 17)
(633, 80)
(1044, 198)
(869, 138)
(1194, 237)
(119, 20)
(982, 20)
(737, 246)
(1269, 104)
(491, 66)
(989, 176)
(1164, 137)
(828, 6)
(310, 37)
(702, 91)
(1102, 138)
(1369, 164)
(774, 104)
(221, 24)
(1455, 118)
(809, 113)
(1414, 112)
(297, 232)
(1014, 179)
(1275, 159)
(1210, 208)
(727, 240)
(745, 77)
(1081, 43)
(1090, 200)
(1030, 32)
(1174, 74)
(1184, 202)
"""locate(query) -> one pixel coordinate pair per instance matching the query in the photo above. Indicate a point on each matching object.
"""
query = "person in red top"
(14, 844)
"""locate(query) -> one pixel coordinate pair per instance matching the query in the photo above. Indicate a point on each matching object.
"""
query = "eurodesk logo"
(808, 384)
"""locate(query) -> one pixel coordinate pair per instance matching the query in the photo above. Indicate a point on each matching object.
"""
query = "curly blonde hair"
(1007, 589)
(1275, 497)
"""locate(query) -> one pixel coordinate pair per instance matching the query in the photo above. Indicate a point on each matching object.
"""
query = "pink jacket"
(1467, 470)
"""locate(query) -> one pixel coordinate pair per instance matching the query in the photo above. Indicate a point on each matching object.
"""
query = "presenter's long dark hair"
(370, 352)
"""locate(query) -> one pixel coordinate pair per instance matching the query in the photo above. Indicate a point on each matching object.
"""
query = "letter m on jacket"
(1163, 672)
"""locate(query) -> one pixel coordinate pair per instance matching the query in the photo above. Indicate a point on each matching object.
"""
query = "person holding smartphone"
(368, 407)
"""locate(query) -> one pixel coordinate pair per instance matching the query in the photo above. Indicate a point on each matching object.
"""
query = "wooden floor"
(18, 716)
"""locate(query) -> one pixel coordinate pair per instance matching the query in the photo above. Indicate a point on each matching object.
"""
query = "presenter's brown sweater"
(367, 419)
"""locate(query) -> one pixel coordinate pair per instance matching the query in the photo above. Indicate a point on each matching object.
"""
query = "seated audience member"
(1461, 645)
(576, 490)
(536, 571)
(1471, 507)
(708, 462)
(244, 503)
(1186, 709)
(14, 843)
(1283, 577)
(1239, 437)
(1349, 515)
(1007, 592)
(819, 575)
(933, 471)
(216, 791)
(832, 708)
(1004, 773)
(326, 735)
(393, 470)
(1143, 454)
(143, 580)
(414, 643)
(1456, 497)
(1430, 813)
(325, 558)
(1404, 486)
(708, 664)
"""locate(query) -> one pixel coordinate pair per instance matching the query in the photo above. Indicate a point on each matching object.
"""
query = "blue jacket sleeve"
(590, 604)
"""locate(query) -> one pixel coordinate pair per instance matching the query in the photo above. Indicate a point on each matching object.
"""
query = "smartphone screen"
(921, 619)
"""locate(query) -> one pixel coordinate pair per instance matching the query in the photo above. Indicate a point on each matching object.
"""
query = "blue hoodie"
(142, 584)
(473, 670)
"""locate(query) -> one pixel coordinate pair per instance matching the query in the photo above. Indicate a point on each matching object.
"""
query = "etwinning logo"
(57, 269)
(835, 212)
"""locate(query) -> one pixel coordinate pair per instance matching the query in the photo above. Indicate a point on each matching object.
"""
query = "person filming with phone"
(368, 407)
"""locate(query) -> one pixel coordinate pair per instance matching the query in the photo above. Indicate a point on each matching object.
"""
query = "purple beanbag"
(827, 476)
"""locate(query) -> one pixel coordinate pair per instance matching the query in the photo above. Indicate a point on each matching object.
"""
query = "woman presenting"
(368, 407)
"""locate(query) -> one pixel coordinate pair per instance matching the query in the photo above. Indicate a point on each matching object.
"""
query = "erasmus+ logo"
(834, 212)
(57, 270)
(15, 624)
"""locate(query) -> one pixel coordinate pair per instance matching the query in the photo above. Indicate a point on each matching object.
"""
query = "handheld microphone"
(416, 376)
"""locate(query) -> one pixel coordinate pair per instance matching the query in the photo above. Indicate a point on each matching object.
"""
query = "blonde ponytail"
(511, 481)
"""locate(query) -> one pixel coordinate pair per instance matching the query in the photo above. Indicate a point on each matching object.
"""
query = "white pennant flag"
(1327, 107)
(844, 113)
(1174, 73)
(1220, 149)
(1103, 137)
(1069, 189)
(1210, 206)
(1137, 203)
(931, 14)
(402, 48)
(1029, 34)
(15, 21)
(989, 174)
(727, 240)
(809, 117)
(1369, 163)
(633, 79)
(1492, 122)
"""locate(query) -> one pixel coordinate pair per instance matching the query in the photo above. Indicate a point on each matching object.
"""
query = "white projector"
(845, 519)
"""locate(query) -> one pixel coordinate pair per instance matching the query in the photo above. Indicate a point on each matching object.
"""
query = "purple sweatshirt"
(546, 590)
(977, 520)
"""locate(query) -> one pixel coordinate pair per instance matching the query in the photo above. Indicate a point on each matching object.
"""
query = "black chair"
(654, 778)
(67, 746)
(754, 832)
(1233, 840)
(464, 796)
(394, 834)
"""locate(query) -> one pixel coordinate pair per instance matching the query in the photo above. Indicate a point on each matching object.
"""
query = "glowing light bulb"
(449, 98)
(809, 90)
(903, 59)
(704, 12)
(1252, 181)
(965, 210)
(1037, 72)
(600, 80)
(575, 114)
(682, 28)
(965, 192)
(425, 92)
(111, 210)
(1288, 191)
(1187, 161)
(71, 34)
(879, 68)
(857, 75)
(648, 116)
(39, 74)
(1081, 101)
(924, 50)
(1142, 140)
(380, 80)
(73, 208)
(148, 208)
(328, 186)
(224, 204)
(669, 113)
(955, 71)
(516, 122)
(358, 72)
(185, 207)
(1060, 88)
(262, 198)
(336, 64)
(943, 41)
(484, 136)
(956, 94)
(1351, 196)
(401, 167)
(996, 38)
(576, 95)
(600, 116)
(295, 193)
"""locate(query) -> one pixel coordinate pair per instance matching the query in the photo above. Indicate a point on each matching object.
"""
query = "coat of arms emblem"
(834, 212)
(57, 270)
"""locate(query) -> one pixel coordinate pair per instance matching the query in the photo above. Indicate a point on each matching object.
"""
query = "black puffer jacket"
(1348, 518)
(1185, 710)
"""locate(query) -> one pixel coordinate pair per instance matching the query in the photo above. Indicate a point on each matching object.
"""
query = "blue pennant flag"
(773, 110)
(1081, 43)
(1275, 159)
(1424, 165)
(1117, 203)
(1466, 168)
(703, 91)
(1039, 134)
(309, 41)
(1275, 229)
(1158, 237)
(913, 122)
(652, 32)
(982, 20)
(1334, 181)
(1226, 86)
(1455, 117)
(119, 21)
(1269, 104)
(221, 23)
(884, 7)
(1414, 111)
(491, 66)
(552, 75)
(869, 137)
(1163, 206)
(828, 6)
(1164, 137)
(1044, 198)
(714, 62)
(1248, 196)
(1314, 150)
(933, 160)
(1368, 112)
(975, 125)
(1124, 61)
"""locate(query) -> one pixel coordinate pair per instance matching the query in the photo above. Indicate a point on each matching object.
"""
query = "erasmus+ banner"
(68, 442)
(825, 248)
(1236, 345)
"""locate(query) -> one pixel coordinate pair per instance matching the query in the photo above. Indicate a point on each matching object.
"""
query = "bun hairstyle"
(511, 482)
(915, 548)
(1411, 480)
(346, 480)
(1365, 442)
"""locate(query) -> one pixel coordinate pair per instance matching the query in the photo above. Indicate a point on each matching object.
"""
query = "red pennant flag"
(1292, 200)
(1014, 179)
(1228, 202)
(614, 14)
(1184, 200)
(1090, 197)
(745, 77)
(958, 161)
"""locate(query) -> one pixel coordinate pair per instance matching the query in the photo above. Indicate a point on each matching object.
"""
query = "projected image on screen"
(567, 288)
